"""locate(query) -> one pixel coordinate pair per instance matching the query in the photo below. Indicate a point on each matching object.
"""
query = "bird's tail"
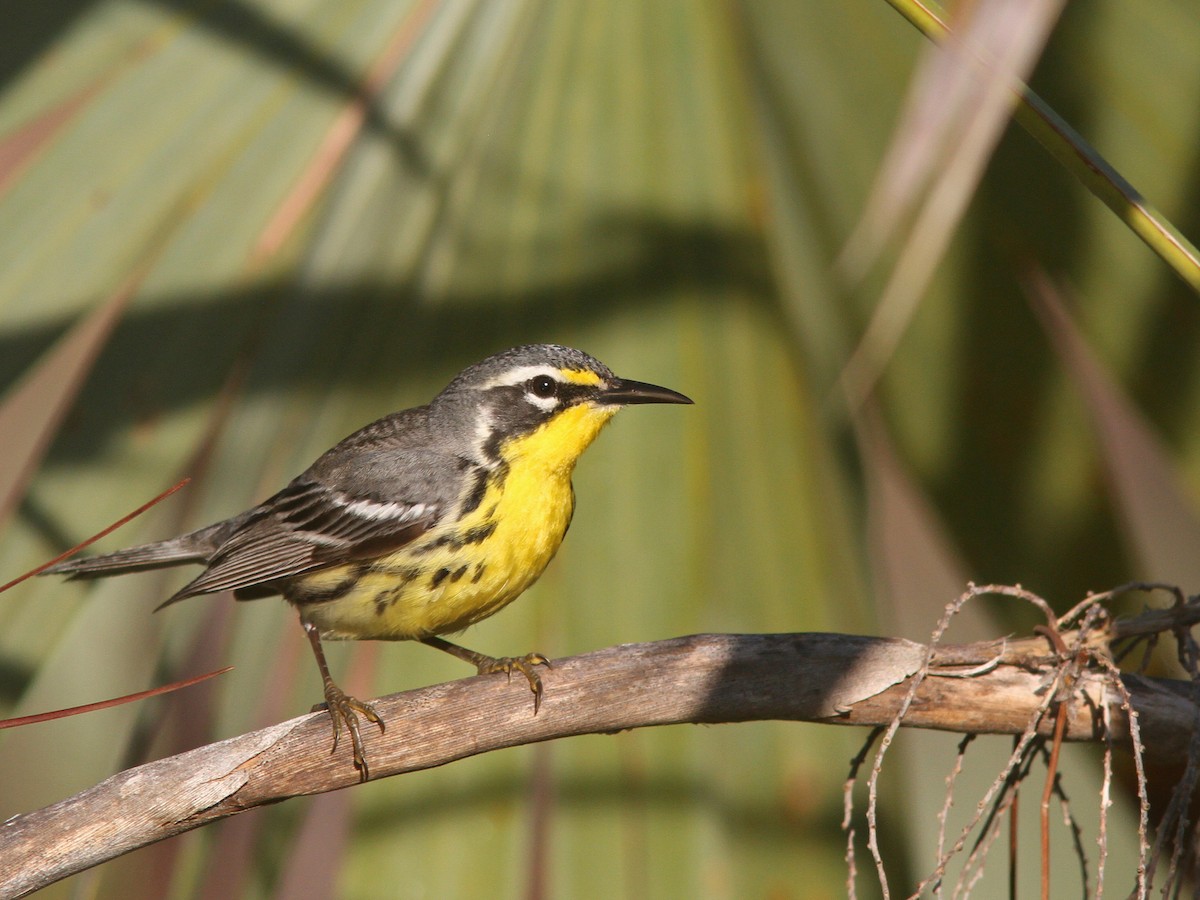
(188, 548)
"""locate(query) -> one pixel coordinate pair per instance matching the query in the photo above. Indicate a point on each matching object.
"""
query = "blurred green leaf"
(326, 210)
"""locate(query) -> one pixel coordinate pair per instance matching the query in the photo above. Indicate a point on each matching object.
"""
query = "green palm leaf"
(309, 214)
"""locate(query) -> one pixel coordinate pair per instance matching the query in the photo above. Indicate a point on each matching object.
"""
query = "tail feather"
(196, 547)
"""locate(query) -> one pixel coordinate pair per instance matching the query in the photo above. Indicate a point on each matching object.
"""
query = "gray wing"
(374, 506)
(377, 490)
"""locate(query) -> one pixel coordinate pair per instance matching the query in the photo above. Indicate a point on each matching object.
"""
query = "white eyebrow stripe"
(521, 374)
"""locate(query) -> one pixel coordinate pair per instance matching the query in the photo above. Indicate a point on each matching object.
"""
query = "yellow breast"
(467, 569)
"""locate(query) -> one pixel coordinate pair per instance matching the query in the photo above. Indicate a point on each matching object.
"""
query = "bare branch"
(830, 678)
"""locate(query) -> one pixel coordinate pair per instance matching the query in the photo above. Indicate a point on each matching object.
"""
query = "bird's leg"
(486, 665)
(341, 706)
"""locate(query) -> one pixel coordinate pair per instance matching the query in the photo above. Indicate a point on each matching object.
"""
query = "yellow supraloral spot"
(579, 376)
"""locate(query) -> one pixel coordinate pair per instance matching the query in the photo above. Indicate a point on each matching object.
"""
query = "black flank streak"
(410, 574)
(476, 535)
(300, 594)
(442, 574)
(479, 533)
(478, 490)
(479, 570)
(384, 599)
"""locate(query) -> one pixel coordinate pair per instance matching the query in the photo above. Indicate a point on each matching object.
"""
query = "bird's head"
(543, 401)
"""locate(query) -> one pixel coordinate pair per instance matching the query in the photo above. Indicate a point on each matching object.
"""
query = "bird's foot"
(486, 665)
(346, 709)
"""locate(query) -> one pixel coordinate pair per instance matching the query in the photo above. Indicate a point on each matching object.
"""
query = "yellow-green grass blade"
(1071, 150)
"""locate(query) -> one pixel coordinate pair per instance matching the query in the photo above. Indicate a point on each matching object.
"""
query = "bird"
(417, 525)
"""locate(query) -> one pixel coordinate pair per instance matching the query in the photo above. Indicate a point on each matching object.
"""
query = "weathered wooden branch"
(992, 687)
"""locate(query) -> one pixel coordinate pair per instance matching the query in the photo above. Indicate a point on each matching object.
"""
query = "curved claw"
(486, 665)
(344, 708)
(523, 664)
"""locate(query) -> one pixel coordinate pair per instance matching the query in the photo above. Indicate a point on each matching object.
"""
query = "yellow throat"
(440, 584)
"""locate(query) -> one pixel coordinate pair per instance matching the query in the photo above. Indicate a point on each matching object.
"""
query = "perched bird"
(419, 524)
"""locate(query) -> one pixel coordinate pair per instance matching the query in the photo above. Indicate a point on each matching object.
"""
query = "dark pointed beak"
(623, 392)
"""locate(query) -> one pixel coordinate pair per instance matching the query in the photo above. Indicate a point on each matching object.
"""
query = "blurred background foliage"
(233, 231)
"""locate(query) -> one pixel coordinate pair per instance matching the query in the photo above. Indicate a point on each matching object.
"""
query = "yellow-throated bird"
(419, 524)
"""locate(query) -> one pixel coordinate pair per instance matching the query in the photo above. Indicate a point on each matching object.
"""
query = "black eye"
(543, 386)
